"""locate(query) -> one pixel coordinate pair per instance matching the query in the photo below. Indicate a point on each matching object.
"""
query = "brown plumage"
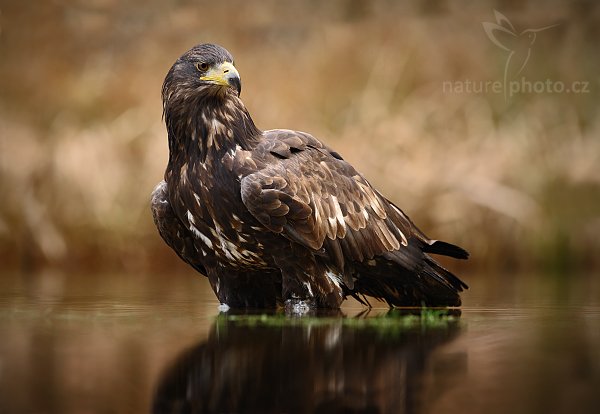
(276, 216)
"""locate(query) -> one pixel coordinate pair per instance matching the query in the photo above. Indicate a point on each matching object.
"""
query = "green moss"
(393, 322)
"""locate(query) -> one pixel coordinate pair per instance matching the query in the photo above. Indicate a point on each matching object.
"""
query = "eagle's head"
(205, 71)
(201, 104)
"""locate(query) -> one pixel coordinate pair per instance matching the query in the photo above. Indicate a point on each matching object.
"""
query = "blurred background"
(94, 307)
(395, 87)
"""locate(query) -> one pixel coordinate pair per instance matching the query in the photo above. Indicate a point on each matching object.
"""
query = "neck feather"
(204, 126)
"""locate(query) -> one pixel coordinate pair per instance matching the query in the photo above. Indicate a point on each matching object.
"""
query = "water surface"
(138, 344)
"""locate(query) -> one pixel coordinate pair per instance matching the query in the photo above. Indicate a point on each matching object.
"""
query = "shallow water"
(138, 344)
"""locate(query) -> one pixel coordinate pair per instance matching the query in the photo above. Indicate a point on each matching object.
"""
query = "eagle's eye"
(202, 66)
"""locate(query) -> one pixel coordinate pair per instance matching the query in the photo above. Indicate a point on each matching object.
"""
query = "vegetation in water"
(393, 322)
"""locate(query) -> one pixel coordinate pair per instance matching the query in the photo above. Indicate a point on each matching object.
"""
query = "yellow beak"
(224, 74)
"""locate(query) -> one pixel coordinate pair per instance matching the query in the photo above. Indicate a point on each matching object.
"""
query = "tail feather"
(445, 249)
(433, 285)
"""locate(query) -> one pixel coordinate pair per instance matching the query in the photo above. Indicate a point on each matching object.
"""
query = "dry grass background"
(82, 144)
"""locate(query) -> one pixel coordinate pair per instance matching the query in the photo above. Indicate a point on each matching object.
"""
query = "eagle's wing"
(171, 229)
(309, 194)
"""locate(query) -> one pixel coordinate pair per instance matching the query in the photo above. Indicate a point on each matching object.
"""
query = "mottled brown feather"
(314, 182)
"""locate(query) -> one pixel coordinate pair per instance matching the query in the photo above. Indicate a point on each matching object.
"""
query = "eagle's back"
(312, 197)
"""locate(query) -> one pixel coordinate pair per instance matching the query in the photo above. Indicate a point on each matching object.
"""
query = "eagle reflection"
(331, 364)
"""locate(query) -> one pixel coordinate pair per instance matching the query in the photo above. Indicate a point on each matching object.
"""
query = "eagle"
(277, 218)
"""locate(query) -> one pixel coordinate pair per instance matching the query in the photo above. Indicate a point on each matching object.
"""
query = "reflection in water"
(532, 346)
(275, 364)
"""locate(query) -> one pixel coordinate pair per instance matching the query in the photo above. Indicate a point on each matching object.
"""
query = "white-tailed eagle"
(274, 217)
